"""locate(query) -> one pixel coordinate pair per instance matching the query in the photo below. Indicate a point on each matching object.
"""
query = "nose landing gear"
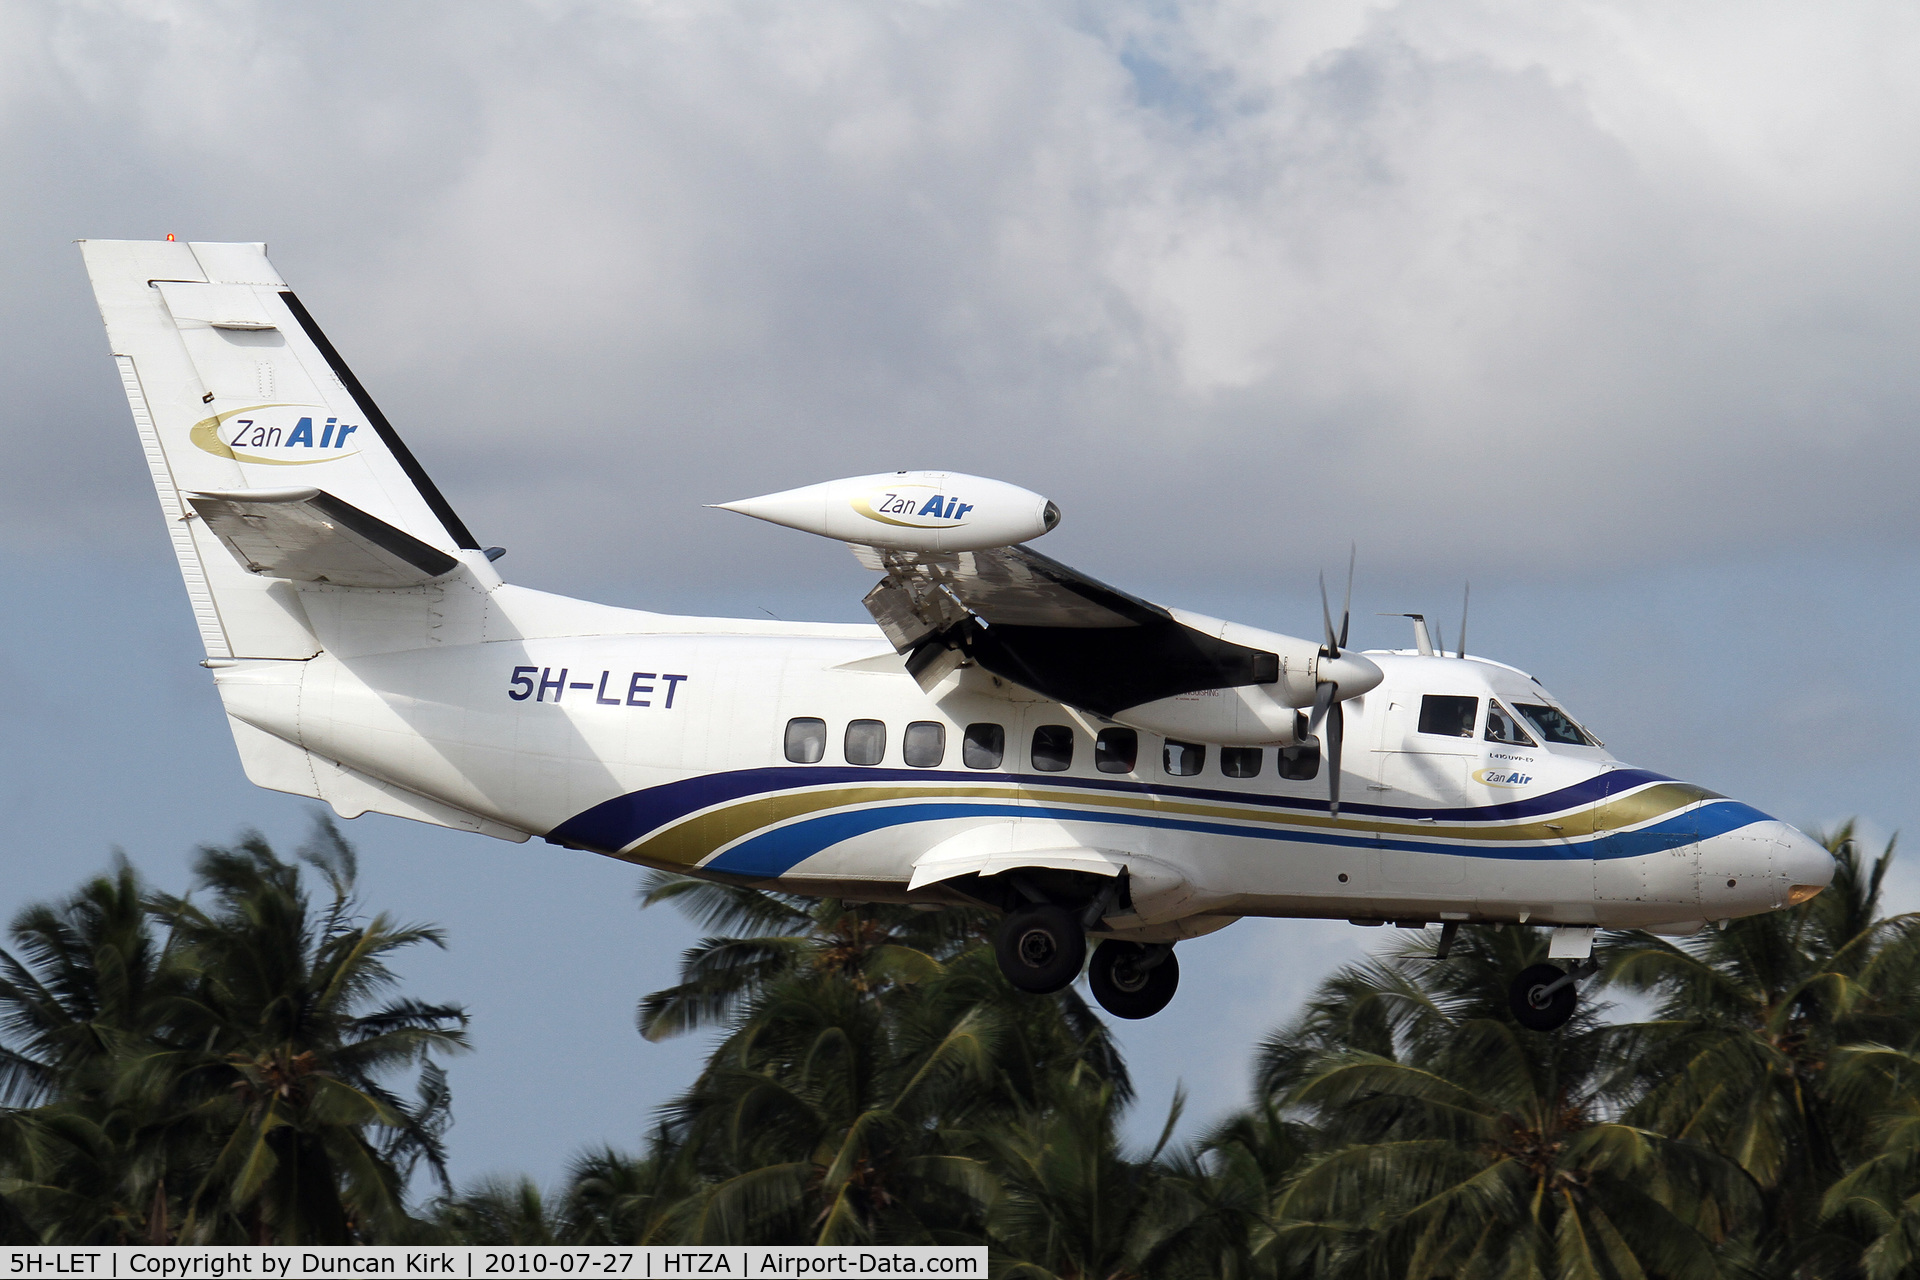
(1543, 996)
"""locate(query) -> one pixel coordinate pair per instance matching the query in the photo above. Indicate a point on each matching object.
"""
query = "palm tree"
(1077, 1207)
(508, 1211)
(1455, 1142)
(881, 950)
(870, 1051)
(614, 1198)
(769, 935)
(1875, 1201)
(84, 995)
(820, 1120)
(1236, 1172)
(88, 981)
(275, 1042)
(221, 1080)
(1753, 1022)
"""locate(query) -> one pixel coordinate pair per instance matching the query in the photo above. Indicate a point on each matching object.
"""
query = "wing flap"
(308, 535)
(1032, 620)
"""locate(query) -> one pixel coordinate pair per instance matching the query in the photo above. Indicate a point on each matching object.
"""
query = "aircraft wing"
(1049, 628)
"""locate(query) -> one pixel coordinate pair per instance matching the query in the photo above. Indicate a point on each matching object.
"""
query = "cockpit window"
(1555, 725)
(1504, 726)
(1448, 715)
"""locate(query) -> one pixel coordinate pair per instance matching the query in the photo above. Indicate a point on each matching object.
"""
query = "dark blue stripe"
(773, 853)
(614, 824)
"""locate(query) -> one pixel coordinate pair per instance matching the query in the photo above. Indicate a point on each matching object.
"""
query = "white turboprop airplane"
(1012, 733)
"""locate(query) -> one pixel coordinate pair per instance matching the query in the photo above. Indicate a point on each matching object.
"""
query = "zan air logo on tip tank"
(916, 506)
(277, 435)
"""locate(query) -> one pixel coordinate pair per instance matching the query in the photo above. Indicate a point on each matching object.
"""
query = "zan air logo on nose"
(1502, 777)
(916, 506)
(277, 435)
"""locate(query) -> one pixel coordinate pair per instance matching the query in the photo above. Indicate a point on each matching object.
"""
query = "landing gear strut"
(1543, 996)
(1041, 948)
(1132, 980)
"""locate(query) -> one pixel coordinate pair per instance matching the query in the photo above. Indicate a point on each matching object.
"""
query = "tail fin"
(234, 389)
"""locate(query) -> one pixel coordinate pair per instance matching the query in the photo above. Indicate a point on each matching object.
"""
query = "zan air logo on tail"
(278, 435)
(917, 506)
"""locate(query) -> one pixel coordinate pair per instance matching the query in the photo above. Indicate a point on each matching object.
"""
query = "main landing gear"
(1543, 997)
(1133, 979)
(1041, 948)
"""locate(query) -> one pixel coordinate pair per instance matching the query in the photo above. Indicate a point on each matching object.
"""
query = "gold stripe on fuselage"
(689, 841)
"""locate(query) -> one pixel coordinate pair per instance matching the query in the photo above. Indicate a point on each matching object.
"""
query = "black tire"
(1534, 1013)
(1123, 988)
(1041, 948)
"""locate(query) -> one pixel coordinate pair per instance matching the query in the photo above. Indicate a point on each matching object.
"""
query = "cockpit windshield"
(1555, 725)
(1504, 726)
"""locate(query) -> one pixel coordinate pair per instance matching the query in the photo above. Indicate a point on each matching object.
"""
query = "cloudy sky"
(1609, 308)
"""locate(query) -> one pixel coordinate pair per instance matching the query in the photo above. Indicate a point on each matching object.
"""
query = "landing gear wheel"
(1041, 948)
(1124, 984)
(1532, 1007)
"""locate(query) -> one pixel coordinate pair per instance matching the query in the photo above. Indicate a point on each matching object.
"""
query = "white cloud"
(1593, 283)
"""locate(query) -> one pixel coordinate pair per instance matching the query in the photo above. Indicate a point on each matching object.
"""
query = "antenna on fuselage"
(1422, 638)
(1466, 597)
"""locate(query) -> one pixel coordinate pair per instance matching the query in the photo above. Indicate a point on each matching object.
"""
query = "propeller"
(1326, 694)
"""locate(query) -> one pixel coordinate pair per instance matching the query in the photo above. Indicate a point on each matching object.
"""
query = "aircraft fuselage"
(670, 747)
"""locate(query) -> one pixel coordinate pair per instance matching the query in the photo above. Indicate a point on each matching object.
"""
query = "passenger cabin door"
(1427, 745)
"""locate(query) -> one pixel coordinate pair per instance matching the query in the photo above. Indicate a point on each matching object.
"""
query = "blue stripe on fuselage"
(613, 825)
(773, 853)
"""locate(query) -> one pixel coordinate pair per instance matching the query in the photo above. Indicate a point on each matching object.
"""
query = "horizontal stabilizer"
(309, 535)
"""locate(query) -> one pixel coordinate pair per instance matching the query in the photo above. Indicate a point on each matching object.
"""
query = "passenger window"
(1184, 759)
(866, 741)
(1241, 762)
(1115, 750)
(1504, 726)
(925, 744)
(983, 746)
(1447, 715)
(806, 740)
(1300, 763)
(1555, 725)
(1052, 748)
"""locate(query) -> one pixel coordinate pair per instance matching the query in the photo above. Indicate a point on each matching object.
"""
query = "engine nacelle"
(909, 511)
(1247, 715)
(1253, 714)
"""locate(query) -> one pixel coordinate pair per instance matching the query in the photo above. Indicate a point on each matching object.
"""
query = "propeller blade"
(1324, 696)
(1346, 610)
(1466, 598)
(1332, 647)
(1336, 736)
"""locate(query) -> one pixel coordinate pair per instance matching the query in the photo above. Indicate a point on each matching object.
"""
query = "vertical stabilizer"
(233, 387)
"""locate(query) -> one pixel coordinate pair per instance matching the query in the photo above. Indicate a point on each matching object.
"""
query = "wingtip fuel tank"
(909, 511)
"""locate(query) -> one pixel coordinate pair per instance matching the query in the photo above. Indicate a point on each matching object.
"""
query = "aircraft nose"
(1805, 863)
